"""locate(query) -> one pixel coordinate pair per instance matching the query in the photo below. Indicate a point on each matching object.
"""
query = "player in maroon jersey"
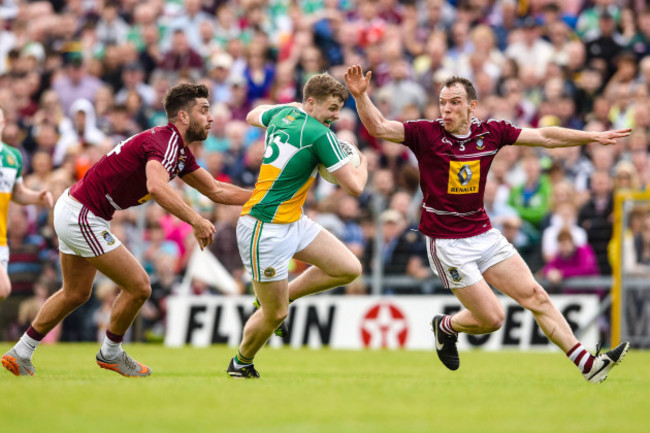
(454, 155)
(135, 171)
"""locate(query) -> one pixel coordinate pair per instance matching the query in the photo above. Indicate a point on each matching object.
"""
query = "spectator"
(606, 44)
(164, 282)
(640, 42)
(86, 133)
(43, 288)
(563, 218)
(637, 251)
(531, 198)
(111, 28)
(133, 80)
(259, 74)
(596, 217)
(106, 293)
(188, 22)
(571, 260)
(350, 214)
(402, 253)
(531, 49)
(402, 90)
(219, 70)
(74, 83)
(224, 246)
(181, 60)
(28, 254)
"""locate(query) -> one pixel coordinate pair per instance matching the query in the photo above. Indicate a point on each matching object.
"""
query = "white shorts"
(4, 256)
(461, 262)
(81, 232)
(266, 249)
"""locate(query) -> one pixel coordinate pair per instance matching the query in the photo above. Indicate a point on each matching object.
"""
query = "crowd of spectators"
(79, 76)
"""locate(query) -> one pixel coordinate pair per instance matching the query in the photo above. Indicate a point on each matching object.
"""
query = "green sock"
(242, 361)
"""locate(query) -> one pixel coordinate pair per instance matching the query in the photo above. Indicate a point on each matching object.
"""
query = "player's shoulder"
(160, 135)
(11, 154)
(284, 114)
(495, 124)
(425, 126)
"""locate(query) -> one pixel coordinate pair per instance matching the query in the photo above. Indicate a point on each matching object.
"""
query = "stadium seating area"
(77, 77)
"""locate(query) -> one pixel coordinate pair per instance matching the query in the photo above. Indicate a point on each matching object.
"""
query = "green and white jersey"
(295, 144)
(11, 169)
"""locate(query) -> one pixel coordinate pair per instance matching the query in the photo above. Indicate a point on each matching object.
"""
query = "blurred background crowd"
(79, 76)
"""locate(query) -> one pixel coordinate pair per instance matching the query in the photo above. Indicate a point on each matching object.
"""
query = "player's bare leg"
(124, 270)
(5, 284)
(274, 299)
(513, 278)
(78, 277)
(483, 314)
(334, 266)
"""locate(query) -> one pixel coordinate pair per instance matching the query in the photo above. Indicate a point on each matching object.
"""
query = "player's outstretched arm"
(23, 195)
(376, 124)
(253, 116)
(554, 136)
(165, 196)
(218, 192)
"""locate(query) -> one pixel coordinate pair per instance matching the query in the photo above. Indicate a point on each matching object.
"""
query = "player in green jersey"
(272, 228)
(12, 189)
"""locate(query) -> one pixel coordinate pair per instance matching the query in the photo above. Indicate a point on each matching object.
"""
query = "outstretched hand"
(356, 81)
(46, 199)
(610, 137)
(204, 231)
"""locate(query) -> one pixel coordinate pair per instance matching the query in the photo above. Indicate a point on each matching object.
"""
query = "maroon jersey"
(453, 171)
(119, 181)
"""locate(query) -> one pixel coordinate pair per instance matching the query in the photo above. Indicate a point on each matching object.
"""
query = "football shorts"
(461, 262)
(80, 231)
(266, 248)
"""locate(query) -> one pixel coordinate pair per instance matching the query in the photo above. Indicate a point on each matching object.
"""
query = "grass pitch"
(323, 391)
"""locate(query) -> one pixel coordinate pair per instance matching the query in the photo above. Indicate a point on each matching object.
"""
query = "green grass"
(323, 391)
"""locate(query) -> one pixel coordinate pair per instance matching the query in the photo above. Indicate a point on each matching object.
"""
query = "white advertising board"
(356, 322)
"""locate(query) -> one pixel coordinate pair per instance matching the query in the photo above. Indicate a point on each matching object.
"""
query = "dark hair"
(183, 97)
(467, 84)
(320, 86)
(565, 235)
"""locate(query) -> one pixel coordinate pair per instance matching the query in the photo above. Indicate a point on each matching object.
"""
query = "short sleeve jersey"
(453, 171)
(11, 169)
(295, 143)
(118, 180)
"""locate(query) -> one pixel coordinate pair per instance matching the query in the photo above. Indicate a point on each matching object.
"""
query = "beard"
(195, 132)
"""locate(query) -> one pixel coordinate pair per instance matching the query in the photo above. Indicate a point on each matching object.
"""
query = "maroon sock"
(581, 357)
(114, 337)
(33, 333)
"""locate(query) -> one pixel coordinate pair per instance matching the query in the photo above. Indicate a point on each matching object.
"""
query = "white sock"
(111, 349)
(26, 346)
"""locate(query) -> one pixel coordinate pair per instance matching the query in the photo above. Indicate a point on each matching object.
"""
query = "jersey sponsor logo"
(269, 272)
(144, 199)
(455, 275)
(108, 237)
(464, 177)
